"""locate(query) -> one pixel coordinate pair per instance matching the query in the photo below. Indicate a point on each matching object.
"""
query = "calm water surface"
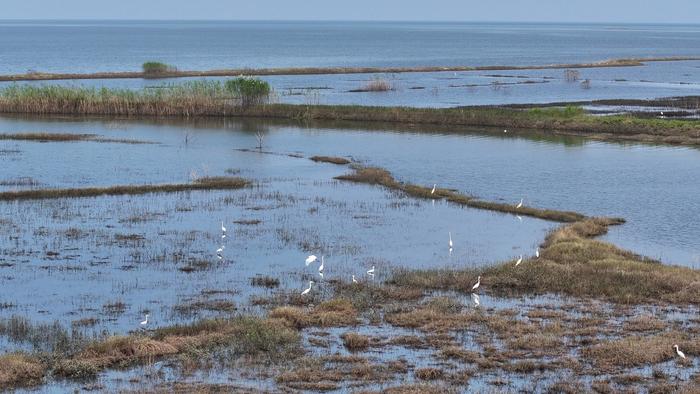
(88, 46)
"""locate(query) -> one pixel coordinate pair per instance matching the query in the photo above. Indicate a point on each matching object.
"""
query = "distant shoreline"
(40, 76)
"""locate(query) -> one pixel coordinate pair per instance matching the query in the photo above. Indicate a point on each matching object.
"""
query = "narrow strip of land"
(208, 99)
(209, 183)
(41, 76)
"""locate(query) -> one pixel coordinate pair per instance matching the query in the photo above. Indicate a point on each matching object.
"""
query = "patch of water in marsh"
(647, 185)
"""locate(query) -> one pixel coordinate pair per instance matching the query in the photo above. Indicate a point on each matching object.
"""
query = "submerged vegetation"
(207, 183)
(243, 96)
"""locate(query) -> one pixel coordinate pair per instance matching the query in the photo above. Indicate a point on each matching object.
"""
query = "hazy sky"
(672, 11)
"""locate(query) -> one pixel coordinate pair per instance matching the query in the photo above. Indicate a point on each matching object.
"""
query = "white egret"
(520, 204)
(353, 279)
(450, 242)
(520, 260)
(434, 186)
(678, 352)
(478, 283)
(320, 267)
(310, 260)
(370, 271)
(223, 236)
(223, 229)
(505, 131)
(221, 249)
(305, 292)
(475, 299)
(537, 252)
(145, 322)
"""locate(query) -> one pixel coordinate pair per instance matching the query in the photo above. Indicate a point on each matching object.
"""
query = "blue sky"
(654, 11)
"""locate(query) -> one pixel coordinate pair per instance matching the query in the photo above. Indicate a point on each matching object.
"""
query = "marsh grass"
(355, 342)
(250, 336)
(330, 159)
(207, 183)
(211, 98)
(379, 176)
(18, 369)
(375, 85)
(572, 263)
(154, 69)
(333, 313)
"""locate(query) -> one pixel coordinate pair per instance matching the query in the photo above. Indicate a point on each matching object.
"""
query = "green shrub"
(250, 91)
(155, 68)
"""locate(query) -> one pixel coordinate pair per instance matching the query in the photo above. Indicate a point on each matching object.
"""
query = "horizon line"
(342, 21)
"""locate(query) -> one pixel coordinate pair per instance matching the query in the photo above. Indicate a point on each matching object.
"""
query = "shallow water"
(450, 89)
(650, 186)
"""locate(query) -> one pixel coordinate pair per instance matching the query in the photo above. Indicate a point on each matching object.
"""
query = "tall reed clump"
(249, 91)
(191, 98)
(154, 69)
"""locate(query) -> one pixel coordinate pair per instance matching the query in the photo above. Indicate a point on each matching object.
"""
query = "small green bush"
(250, 91)
(155, 68)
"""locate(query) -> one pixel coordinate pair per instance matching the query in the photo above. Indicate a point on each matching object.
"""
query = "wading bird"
(353, 279)
(305, 292)
(678, 352)
(145, 322)
(478, 283)
(310, 260)
(370, 271)
(434, 186)
(450, 241)
(520, 260)
(221, 249)
(223, 229)
(320, 267)
(520, 204)
(537, 252)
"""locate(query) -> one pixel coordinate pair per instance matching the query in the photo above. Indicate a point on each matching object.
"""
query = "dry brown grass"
(333, 313)
(19, 370)
(634, 351)
(355, 342)
(250, 336)
(208, 183)
(330, 159)
(429, 373)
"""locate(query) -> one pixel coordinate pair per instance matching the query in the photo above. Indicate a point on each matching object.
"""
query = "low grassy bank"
(160, 70)
(270, 339)
(379, 176)
(66, 137)
(208, 183)
(214, 99)
(572, 263)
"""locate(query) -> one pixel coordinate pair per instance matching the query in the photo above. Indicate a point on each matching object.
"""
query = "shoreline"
(621, 62)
